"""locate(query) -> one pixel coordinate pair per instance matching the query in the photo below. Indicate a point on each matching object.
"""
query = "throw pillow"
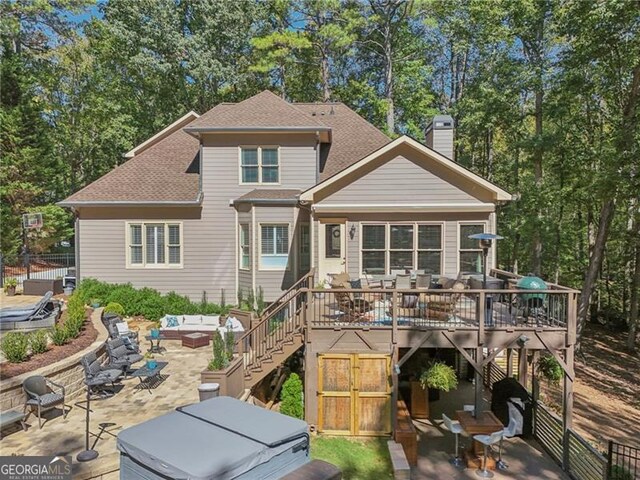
(172, 321)
(356, 283)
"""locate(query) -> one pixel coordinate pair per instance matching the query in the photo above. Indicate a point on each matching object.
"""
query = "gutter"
(269, 201)
(103, 203)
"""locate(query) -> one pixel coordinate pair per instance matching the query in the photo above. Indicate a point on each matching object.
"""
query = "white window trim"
(259, 148)
(387, 250)
(144, 264)
(485, 226)
(248, 242)
(274, 224)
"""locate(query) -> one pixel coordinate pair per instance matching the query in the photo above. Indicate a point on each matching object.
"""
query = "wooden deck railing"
(282, 319)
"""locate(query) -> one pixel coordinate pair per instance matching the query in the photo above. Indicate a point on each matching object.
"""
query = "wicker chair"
(43, 395)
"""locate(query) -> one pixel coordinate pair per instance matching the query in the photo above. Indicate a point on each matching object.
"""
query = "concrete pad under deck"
(526, 459)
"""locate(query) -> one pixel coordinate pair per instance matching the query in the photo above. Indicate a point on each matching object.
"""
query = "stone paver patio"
(128, 407)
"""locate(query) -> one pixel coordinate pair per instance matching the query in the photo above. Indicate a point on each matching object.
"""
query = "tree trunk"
(635, 288)
(595, 263)
(388, 79)
(326, 89)
(536, 261)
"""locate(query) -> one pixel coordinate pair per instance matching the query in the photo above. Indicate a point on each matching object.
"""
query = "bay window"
(154, 245)
(274, 246)
(470, 253)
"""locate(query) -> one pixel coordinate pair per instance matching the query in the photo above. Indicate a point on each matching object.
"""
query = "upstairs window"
(259, 165)
(154, 245)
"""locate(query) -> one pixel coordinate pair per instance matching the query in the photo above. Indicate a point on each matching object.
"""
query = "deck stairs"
(277, 335)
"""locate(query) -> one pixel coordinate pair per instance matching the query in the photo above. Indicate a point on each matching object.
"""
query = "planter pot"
(11, 291)
(151, 364)
(95, 305)
(35, 286)
(419, 401)
(231, 379)
(434, 395)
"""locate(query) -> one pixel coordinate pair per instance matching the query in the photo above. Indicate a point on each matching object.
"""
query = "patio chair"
(400, 271)
(508, 432)
(353, 308)
(403, 281)
(371, 282)
(444, 305)
(120, 356)
(455, 428)
(118, 328)
(97, 376)
(487, 441)
(423, 280)
(41, 314)
(43, 395)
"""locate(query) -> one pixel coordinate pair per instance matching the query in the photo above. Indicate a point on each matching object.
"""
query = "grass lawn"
(359, 459)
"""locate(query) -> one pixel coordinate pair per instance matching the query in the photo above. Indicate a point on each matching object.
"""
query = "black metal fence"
(623, 462)
(46, 266)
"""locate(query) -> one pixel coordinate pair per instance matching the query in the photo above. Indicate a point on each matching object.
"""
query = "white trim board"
(500, 194)
(403, 207)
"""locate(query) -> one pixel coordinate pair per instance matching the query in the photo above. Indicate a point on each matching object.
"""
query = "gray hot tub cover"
(219, 438)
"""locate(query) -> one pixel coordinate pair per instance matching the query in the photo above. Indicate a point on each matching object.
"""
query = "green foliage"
(618, 472)
(145, 302)
(439, 376)
(550, 369)
(76, 313)
(358, 458)
(229, 343)
(10, 283)
(220, 358)
(260, 303)
(114, 307)
(14, 346)
(59, 335)
(38, 341)
(291, 402)
(57, 225)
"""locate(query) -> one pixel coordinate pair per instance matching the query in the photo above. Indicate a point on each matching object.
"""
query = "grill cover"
(505, 389)
(531, 282)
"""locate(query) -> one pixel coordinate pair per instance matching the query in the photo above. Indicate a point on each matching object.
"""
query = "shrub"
(220, 358)
(550, 369)
(114, 307)
(38, 341)
(59, 335)
(229, 343)
(618, 472)
(439, 376)
(14, 346)
(291, 397)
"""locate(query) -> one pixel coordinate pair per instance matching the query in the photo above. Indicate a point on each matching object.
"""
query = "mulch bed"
(54, 354)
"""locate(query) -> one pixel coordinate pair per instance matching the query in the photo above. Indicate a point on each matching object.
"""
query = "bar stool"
(469, 408)
(487, 441)
(508, 432)
(455, 428)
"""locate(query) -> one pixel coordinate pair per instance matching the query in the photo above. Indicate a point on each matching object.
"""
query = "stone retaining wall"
(67, 372)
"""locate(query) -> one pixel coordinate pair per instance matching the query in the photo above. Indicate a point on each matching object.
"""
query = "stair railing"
(277, 324)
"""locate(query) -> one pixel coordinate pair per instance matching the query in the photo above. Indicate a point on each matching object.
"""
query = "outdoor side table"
(195, 340)
(155, 348)
(150, 377)
(485, 423)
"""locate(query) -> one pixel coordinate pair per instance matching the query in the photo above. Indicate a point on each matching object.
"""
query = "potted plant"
(438, 376)
(321, 285)
(550, 369)
(10, 285)
(151, 361)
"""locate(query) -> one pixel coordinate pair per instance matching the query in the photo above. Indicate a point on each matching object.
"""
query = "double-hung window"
(245, 246)
(415, 246)
(259, 165)
(154, 245)
(470, 253)
(274, 246)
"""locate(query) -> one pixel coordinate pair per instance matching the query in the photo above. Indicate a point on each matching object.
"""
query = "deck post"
(567, 401)
(479, 382)
(523, 368)
(509, 362)
(394, 363)
(535, 386)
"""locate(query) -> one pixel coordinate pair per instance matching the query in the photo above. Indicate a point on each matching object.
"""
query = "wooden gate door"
(354, 394)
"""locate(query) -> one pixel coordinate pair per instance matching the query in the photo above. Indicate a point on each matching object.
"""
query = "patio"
(525, 458)
(128, 407)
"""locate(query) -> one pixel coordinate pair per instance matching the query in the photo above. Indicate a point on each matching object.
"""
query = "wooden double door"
(354, 394)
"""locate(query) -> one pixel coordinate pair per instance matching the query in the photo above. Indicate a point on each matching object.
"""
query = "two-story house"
(253, 194)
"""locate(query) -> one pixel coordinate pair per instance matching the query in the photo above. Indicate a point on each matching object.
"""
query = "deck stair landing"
(277, 335)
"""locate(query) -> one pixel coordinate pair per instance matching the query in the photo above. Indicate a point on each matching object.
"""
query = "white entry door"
(332, 251)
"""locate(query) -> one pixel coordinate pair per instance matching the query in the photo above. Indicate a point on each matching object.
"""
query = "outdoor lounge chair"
(352, 308)
(41, 314)
(118, 328)
(443, 306)
(43, 395)
(120, 356)
(97, 376)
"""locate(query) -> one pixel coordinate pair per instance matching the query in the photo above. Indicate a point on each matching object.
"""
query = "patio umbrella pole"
(87, 454)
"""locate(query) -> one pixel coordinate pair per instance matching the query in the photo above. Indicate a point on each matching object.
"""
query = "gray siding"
(441, 140)
(401, 180)
(274, 282)
(450, 242)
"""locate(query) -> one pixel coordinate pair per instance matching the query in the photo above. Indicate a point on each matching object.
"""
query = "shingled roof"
(269, 195)
(167, 171)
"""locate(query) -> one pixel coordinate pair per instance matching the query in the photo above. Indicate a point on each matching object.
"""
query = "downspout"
(76, 243)
(317, 157)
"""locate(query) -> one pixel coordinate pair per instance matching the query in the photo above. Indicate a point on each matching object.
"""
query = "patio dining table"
(485, 423)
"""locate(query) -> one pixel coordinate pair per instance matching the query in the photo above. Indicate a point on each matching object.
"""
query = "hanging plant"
(439, 376)
(550, 369)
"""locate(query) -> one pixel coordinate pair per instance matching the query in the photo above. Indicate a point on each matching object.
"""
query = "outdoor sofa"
(173, 327)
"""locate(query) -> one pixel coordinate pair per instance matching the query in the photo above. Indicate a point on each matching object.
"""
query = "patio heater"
(88, 453)
(486, 241)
